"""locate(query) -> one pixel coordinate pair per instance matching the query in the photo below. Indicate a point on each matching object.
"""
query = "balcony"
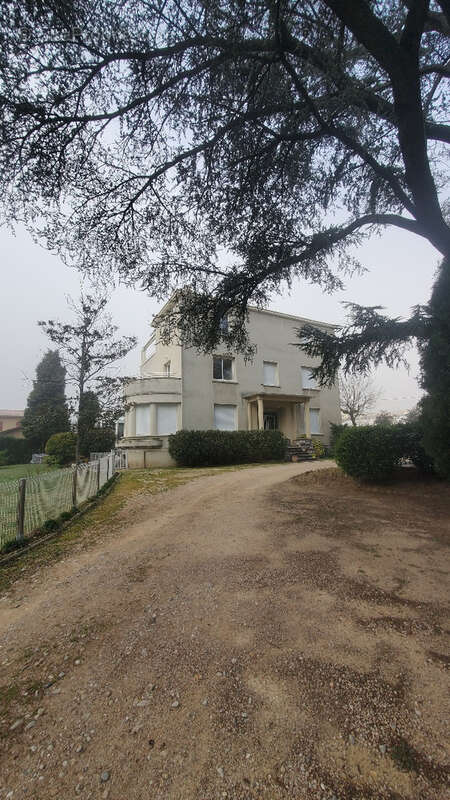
(153, 384)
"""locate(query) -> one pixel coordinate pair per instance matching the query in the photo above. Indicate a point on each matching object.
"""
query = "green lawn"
(17, 471)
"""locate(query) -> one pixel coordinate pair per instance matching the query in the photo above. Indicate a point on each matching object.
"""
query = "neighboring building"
(11, 423)
(182, 388)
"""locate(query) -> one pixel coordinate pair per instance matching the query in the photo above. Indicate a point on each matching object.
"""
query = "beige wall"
(195, 393)
(274, 336)
(162, 354)
(10, 426)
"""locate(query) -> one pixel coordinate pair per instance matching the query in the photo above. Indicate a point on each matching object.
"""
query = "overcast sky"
(34, 284)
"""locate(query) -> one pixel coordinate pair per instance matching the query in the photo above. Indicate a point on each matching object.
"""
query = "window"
(222, 368)
(225, 418)
(167, 369)
(223, 324)
(142, 420)
(314, 420)
(270, 373)
(166, 418)
(308, 380)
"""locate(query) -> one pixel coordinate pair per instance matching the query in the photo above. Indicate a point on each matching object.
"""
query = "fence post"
(98, 475)
(74, 486)
(107, 468)
(21, 509)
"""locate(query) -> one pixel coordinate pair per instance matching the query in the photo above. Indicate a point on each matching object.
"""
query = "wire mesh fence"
(47, 495)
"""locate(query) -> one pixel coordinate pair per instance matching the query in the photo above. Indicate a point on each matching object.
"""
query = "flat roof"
(6, 412)
(260, 311)
(292, 316)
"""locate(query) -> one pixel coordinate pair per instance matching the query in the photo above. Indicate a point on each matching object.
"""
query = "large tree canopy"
(146, 138)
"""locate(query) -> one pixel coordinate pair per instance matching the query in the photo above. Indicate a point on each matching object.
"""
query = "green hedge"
(372, 452)
(214, 448)
(14, 451)
(61, 448)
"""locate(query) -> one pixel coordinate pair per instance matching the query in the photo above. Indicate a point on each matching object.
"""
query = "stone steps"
(300, 450)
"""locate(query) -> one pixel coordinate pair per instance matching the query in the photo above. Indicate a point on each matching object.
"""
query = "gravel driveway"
(177, 659)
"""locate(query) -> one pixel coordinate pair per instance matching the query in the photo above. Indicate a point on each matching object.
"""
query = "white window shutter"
(225, 418)
(270, 373)
(142, 420)
(308, 381)
(314, 420)
(166, 418)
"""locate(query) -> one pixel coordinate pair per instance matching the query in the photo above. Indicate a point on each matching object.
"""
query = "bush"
(214, 448)
(97, 440)
(15, 451)
(372, 452)
(335, 433)
(319, 448)
(410, 440)
(369, 452)
(61, 447)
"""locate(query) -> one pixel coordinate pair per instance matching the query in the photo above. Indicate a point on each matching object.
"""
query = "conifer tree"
(46, 412)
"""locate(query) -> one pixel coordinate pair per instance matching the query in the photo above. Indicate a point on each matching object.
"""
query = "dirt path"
(186, 657)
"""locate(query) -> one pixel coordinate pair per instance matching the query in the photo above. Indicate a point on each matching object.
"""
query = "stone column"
(307, 420)
(260, 402)
(153, 419)
(249, 415)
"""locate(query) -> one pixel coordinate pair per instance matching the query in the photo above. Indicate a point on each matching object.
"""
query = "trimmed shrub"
(61, 447)
(15, 451)
(372, 452)
(216, 448)
(369, 452)
(335, 433)
(410, 441)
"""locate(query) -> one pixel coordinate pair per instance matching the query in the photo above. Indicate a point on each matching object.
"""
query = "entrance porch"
(286, 413)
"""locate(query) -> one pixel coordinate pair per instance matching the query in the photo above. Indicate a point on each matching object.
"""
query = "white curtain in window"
(270, 373)
(166, 418)
(142, 420)
(308, 382)
(314, 420)
(225, 418)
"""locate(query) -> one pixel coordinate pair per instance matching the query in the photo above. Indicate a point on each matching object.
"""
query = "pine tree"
(46, 412)
(435, 362)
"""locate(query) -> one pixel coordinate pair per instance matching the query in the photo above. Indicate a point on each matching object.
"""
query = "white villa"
(182, 388)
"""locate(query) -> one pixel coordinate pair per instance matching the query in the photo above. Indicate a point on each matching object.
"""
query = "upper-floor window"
(270, 373)
(167, 369)
(308, 379)
(223, 324)
(222, 368)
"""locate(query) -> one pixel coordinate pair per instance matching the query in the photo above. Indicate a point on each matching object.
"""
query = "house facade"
(182, 388)
(11, 423)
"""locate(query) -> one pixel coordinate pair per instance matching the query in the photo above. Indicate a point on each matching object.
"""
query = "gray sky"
(34, 284)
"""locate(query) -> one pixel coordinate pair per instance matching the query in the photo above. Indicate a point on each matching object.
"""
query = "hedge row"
(14, 451)
(214, 448)
(372, 452)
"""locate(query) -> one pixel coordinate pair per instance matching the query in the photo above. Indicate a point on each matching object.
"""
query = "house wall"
(11, 425)
(163, 353)
(195, 391)
(274, 335)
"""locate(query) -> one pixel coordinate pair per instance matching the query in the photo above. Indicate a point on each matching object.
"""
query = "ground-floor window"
(225, 417)
(314, 420)
(142, 419)
(166, 418)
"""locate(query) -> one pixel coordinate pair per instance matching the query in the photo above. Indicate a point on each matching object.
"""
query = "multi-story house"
(182, 388)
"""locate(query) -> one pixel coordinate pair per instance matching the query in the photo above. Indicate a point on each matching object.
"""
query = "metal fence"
(27, 503)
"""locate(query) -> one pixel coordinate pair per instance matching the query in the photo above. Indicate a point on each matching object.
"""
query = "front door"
(271, 421)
